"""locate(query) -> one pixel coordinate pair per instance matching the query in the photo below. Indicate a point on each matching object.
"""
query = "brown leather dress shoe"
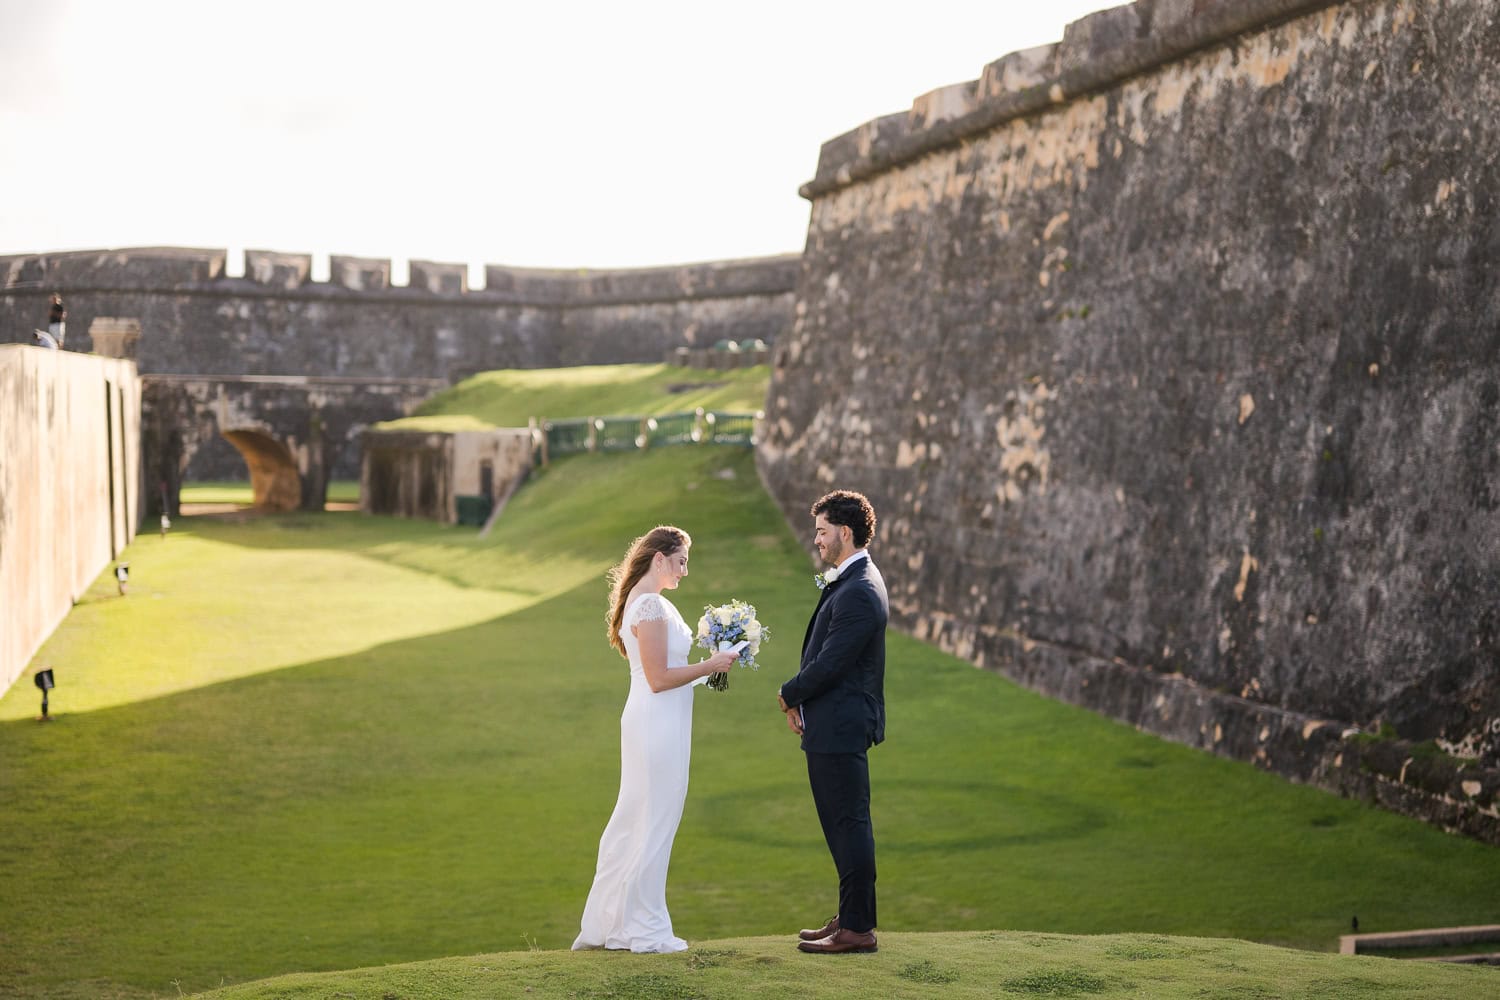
(840, 942)
(821, 932)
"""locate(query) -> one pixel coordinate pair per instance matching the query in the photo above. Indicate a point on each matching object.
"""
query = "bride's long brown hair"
(624, 576)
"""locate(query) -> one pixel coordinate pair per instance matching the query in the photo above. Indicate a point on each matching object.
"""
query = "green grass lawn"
(507, 398)
(339, 491)
(316, 742)
(225, 491)
(974, 965)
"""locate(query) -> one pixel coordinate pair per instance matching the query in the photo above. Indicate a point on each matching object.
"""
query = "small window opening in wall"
(321, 269)
(487, 480)
(400, 272)
(478, 278)
(234, 262)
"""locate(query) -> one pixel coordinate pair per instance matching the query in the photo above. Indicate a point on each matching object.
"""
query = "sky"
(536, 134)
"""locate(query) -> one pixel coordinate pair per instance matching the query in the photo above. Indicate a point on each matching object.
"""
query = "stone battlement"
(174, 270)
(1096, 53)
(276, 320)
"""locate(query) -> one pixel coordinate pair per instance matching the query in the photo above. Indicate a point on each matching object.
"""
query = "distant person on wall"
(836, 703)
(57, 318)
(627, 905)
(52, 337)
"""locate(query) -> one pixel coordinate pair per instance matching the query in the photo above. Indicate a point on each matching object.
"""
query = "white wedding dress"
(627, 906)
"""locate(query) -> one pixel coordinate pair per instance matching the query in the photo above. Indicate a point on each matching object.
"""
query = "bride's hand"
(719, 662)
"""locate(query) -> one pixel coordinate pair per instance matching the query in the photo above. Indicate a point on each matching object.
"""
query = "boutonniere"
(824, 579)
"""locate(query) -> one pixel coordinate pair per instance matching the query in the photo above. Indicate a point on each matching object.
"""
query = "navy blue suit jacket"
(840, 685)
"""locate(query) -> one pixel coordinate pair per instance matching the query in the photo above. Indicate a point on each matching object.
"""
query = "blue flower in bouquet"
(726, 625)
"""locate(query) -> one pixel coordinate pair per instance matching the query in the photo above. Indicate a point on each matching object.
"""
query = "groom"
(836, 703)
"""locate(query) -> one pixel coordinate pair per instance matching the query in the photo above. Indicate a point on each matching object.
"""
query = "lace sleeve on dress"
(650, 608)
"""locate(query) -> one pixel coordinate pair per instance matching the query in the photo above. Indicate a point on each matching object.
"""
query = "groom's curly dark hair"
(851, 509)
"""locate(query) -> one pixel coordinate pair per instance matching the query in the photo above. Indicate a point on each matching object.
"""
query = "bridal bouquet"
(725, 627)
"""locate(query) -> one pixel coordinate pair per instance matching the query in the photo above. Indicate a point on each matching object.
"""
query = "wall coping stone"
(277, 275)
(1097, 53)
(326, 380)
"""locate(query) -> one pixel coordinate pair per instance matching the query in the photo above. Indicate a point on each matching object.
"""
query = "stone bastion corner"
(1169, 360)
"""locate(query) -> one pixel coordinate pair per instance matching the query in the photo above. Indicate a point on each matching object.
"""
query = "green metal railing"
(672, 428)
(731, 428)
(565, 437)
(616, 433)
(575, 435)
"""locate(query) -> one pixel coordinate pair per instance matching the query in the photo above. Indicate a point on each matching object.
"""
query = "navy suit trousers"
(841, 791)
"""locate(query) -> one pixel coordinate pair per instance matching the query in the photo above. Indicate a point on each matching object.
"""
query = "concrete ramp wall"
(69, 486)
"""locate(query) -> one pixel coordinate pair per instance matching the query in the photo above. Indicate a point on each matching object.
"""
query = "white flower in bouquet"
(724, 627)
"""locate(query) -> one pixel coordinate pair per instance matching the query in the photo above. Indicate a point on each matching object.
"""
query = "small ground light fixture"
(166, 522)
(44, 681)
(122, 577)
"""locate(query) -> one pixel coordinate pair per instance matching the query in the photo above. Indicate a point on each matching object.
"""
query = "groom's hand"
(793, 715)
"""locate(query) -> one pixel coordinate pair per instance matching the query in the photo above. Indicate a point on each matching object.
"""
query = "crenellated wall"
(1170, 355)
(277, 321)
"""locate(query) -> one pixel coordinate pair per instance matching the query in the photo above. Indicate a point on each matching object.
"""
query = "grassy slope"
(328, 741)
(951, 966)
(509, 397)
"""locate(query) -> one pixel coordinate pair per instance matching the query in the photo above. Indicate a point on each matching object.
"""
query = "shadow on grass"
(944, 808)
(555, 528)
(437, 795)
(444, 795)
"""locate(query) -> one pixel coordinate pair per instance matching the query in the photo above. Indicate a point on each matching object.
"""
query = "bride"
(627, 906)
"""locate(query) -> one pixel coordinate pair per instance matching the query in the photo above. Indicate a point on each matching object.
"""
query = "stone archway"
(282, 428)
(274, 479)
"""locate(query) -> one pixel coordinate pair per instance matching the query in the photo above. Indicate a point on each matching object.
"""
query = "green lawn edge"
(510, 397)
(953, 966)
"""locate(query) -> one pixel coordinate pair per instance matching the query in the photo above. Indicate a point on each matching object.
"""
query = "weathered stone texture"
(294, 433)
(1179, 397)
(612, 334)
(276, 321)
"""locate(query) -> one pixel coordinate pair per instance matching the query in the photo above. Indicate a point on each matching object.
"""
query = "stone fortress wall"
(275, 322)
(195, 320)
(1173, 365)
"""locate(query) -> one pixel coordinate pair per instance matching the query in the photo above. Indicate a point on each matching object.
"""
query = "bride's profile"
(627, 905)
